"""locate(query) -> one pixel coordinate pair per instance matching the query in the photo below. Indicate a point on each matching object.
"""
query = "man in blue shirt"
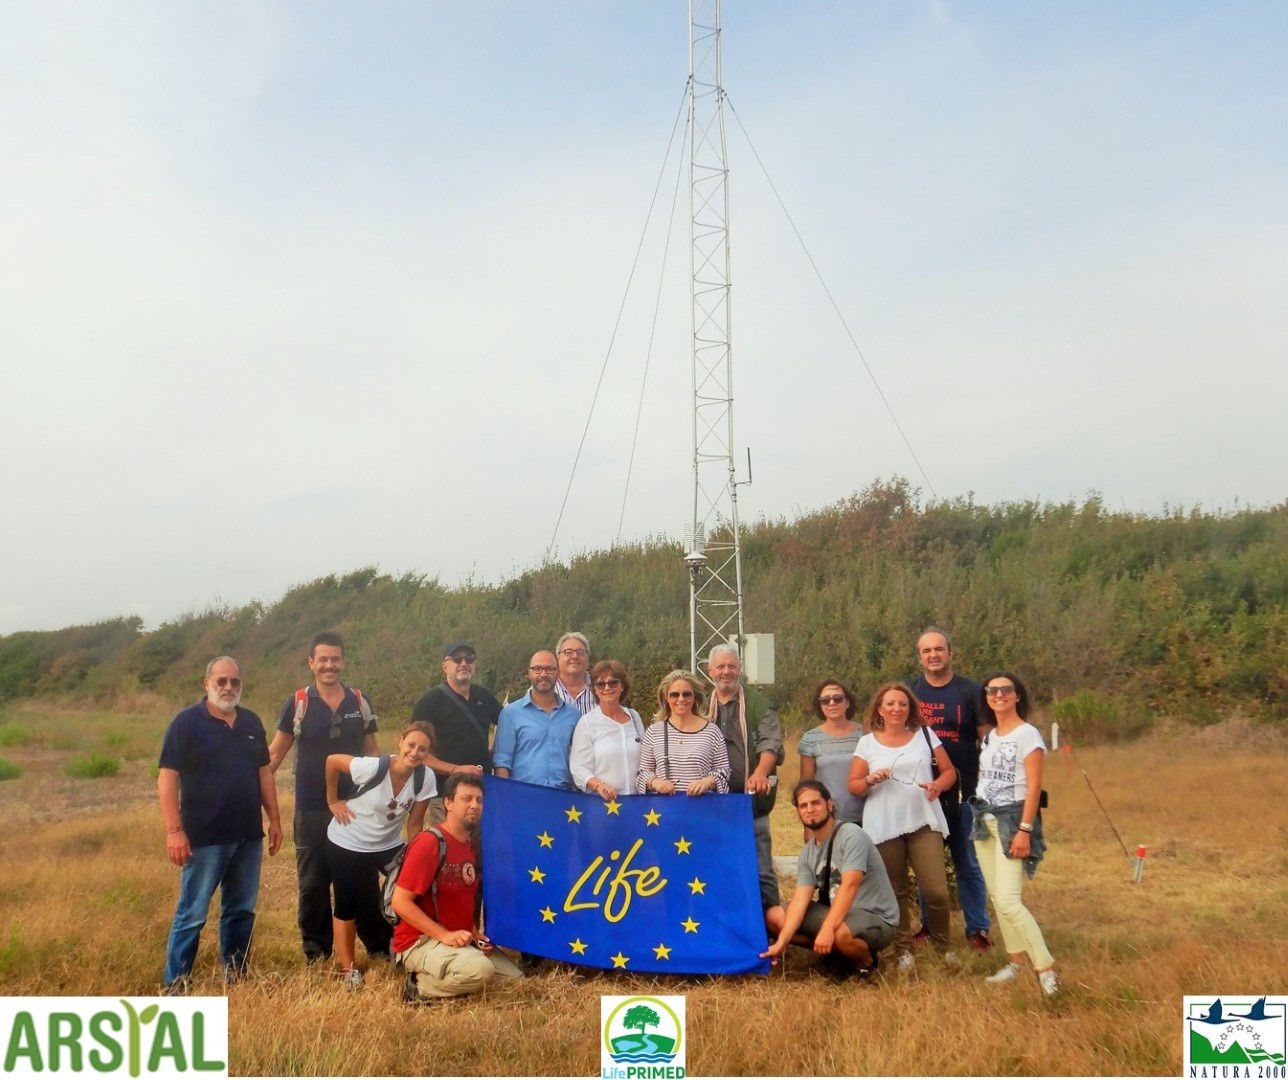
(534, 734)
(213, 779)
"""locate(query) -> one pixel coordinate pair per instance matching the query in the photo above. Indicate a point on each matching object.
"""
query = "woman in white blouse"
(364, 831)
(606, 742)
(892, 770)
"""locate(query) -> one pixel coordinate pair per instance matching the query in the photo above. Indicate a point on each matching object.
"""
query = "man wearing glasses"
(462, 716)
(753, 737)
(950, 708)
(573, 686)
(324, 718)
(213, 779)
(534, 734)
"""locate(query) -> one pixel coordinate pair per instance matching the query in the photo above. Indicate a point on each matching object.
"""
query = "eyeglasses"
(831, 699)
(542, 670)
(228, 680)
(463, 659)
(573, 652)
(679, 695)
(608, 684)
(391, 811)
(999, 691)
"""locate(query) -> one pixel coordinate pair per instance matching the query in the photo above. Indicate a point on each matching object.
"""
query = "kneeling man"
(856, 913)
(436, 900)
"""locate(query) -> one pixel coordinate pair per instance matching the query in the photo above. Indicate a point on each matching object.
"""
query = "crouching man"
(856, 913)
(437, 903)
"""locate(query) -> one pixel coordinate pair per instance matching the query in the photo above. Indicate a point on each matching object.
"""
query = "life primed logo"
(629, 1050)
(135, 1037)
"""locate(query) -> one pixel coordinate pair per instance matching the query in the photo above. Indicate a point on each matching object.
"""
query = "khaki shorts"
(863, 923)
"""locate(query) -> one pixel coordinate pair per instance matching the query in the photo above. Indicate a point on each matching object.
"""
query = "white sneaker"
(1050, 982)
(907, 963)
(1006, 974)
(352, 979)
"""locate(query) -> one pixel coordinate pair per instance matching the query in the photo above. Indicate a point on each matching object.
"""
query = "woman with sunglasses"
(364, 832)
(605, 750)
(892, 770)
(682, 751)
(1008, 823)
(827, 750)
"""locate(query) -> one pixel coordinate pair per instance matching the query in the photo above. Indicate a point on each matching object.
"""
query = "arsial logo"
(114, 1036)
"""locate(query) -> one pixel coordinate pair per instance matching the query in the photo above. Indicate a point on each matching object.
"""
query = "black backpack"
(393, 868)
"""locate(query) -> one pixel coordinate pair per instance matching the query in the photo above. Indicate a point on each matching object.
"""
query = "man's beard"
(216, 703)
(821, 825)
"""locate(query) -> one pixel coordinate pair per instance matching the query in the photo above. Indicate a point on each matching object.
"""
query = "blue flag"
(642, 883)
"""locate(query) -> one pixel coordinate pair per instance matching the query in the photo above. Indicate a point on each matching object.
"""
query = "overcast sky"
(294, 288)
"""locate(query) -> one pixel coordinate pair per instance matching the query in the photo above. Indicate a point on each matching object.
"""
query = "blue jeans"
(234, 870)
(769, 895)
(971, 893)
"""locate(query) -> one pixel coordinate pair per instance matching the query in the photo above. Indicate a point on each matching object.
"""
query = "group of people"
(943, 761)
(871, 803)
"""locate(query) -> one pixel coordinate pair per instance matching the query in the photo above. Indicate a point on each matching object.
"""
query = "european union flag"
(642, 883)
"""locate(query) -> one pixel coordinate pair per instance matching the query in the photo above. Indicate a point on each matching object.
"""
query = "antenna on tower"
(712, 550)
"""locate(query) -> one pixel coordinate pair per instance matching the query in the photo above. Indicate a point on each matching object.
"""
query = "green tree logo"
(640, 1016)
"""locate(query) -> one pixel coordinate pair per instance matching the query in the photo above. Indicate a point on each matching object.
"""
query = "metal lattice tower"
(713, 551)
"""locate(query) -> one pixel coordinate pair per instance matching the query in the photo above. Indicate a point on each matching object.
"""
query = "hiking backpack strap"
(382, 770)
(301, 707)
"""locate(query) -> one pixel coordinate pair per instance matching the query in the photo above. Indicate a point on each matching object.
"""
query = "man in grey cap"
(462, 716)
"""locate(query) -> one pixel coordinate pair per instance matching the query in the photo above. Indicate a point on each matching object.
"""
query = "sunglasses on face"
(463, 659)
(608, 684)
(831, 699)
(999, 691)
(679, 695)
(228, 680)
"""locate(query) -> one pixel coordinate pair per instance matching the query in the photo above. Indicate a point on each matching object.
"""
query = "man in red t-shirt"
(436, 938)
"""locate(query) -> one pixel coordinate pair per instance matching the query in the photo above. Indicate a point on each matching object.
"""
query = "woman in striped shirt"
(683, 751)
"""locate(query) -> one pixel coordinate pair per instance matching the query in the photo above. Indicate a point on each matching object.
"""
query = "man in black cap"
(461, 715)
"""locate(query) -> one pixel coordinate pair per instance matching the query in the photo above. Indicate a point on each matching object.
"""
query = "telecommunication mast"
(712, 553)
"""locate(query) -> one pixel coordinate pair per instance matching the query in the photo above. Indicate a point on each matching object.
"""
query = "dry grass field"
(86, 897)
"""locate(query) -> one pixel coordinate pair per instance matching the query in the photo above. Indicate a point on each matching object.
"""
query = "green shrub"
(13, 735)
(8, 770)
(87, 768)
(1087, 717)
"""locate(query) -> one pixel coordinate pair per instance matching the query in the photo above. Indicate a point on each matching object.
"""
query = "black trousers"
(315, 893)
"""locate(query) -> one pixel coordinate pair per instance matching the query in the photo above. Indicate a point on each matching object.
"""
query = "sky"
(291, 289)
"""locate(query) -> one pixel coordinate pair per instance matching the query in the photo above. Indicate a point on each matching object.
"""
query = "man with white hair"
(572, 651)
(754, 740)
(213, 780)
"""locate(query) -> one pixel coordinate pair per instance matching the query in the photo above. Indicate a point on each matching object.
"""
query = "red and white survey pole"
(1140, 863)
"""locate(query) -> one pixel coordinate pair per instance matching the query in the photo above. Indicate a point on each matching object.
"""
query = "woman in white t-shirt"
(1008, 826)
(364, 833)
(892, 770)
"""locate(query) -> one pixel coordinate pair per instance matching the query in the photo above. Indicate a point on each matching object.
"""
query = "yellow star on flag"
(573, 814)
(690, 927)
(653, 817)
(547, 915)
(696, 886)
(662, 952)
(682, 846)
(538, 875)
(578, 947)
(612, 806)
(546, 839)
(619, 961)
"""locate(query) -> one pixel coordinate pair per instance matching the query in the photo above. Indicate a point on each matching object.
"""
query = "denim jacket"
(1008, 823)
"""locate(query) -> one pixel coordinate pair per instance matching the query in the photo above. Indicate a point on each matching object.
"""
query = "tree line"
(1112, 618)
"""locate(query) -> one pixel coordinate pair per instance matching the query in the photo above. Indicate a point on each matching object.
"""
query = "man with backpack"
(324, 718)
(461, 715)
(844, 907)
(436, 899)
